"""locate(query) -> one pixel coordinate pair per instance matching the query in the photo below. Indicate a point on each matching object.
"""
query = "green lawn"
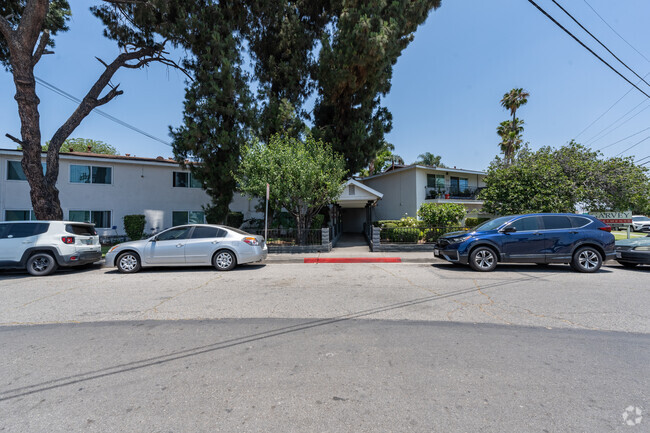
(105, 249)
(620, 234)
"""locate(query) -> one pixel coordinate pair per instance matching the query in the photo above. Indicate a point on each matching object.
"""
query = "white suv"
(43, 246)
(640, 223)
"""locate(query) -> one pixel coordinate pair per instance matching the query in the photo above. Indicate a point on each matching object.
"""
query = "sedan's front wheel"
(128, 263)
(483, 259)
(587, 259)
(224, 260)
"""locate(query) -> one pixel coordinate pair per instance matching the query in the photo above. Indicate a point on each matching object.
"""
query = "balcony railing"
(453, 193)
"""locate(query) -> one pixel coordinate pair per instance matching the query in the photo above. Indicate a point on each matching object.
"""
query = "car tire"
(587, 260)
(224, 260)
(41, 264)
(483, 259)
(128, 263)
(628, 264)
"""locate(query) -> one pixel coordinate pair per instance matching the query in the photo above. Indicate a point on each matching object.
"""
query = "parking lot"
(612, 299)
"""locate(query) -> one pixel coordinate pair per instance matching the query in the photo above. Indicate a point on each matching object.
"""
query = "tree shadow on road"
(514, 267)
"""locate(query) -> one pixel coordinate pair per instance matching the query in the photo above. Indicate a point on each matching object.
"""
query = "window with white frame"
(15, 170)
(101, 218)
(20, 215)
(187, 217)
(91, 174)
(183, 179)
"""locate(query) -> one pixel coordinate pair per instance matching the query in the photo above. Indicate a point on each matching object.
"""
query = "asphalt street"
(332, 348)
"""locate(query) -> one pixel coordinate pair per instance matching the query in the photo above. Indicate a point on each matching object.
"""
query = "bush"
(408, 221)
(473, 222)
(441, 214)
(235, 219)
(134, 226)
(404, 235)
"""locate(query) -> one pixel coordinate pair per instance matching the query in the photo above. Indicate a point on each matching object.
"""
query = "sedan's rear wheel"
(483, 259)
(128, 263)
(224, 260)
(587, 259)
(41, 264)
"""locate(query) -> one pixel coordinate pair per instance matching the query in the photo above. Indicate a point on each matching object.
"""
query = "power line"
(586, 47)
(645, 157)
(617, 34)
(598, 40)
(598, 136)
(623, 139)
(72, 98)
(634, 145)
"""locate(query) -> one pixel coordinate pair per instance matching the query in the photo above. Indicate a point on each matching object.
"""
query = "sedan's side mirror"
(508, 229)
(154, 239)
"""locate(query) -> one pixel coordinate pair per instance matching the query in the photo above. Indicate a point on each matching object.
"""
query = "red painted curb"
(354, 260)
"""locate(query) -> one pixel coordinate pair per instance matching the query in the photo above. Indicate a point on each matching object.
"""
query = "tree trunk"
(43, 192)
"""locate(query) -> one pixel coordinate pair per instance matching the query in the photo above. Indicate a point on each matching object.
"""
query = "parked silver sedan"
(189, 245)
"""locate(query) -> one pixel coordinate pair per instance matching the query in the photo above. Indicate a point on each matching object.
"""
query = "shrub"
(404, 235)
(134, 226)
(235, 219)
(441, 214)
(473, 222)
(408, 221)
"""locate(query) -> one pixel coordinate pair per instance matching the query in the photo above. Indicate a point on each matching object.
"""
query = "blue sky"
(446, 85)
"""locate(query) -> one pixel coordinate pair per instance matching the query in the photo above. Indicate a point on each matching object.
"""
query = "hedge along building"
(103, 188)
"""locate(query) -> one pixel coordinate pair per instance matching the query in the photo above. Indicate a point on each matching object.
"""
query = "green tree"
(304, 176)
(561, 180)
(84, 145)
(510, 132)
(429, 159)
(26, 29)
(354, 70)
(383, 159)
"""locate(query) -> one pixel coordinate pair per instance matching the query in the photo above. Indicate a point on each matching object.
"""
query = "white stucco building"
(103, 188)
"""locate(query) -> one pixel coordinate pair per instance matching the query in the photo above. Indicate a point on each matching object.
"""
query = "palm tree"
(510, 133)
(428, 158)
(514, 99)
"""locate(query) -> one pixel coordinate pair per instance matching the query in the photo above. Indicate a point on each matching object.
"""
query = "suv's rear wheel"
(483, 259)
(41, 264)
(587, 259)
(128, 263)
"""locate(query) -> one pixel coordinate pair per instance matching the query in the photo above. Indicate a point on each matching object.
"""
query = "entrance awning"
(357, 195)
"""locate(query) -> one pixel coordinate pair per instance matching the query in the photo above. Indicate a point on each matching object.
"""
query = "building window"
(182, 179)
(436, 181)
(90, 174)
(187, 217)
(15, 170)
(101, 218)
(351, 190)
(20, 215)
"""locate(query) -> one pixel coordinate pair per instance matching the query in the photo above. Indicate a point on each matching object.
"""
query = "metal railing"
(414, 235)
(289, 237)
(452, 193)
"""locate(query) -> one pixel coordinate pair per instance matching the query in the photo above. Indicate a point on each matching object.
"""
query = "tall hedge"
(134, 226)
(441, 214)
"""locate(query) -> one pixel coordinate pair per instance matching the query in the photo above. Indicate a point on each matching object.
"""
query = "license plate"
(436, 252)
(618, 255)
(87, 241)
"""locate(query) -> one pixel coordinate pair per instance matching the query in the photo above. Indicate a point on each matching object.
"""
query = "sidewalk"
(353, 252)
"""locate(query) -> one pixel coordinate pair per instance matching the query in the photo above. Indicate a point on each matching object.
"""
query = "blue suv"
(581, 240)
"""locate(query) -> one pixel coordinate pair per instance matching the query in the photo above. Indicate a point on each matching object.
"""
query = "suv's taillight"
(605, 228)
(68, 239)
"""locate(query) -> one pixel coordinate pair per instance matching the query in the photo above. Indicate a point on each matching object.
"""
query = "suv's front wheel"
(41, 264)
(587, 259)
(128, 263)
(483, 259)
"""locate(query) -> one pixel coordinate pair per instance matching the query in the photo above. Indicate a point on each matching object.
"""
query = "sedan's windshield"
(493, 224)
